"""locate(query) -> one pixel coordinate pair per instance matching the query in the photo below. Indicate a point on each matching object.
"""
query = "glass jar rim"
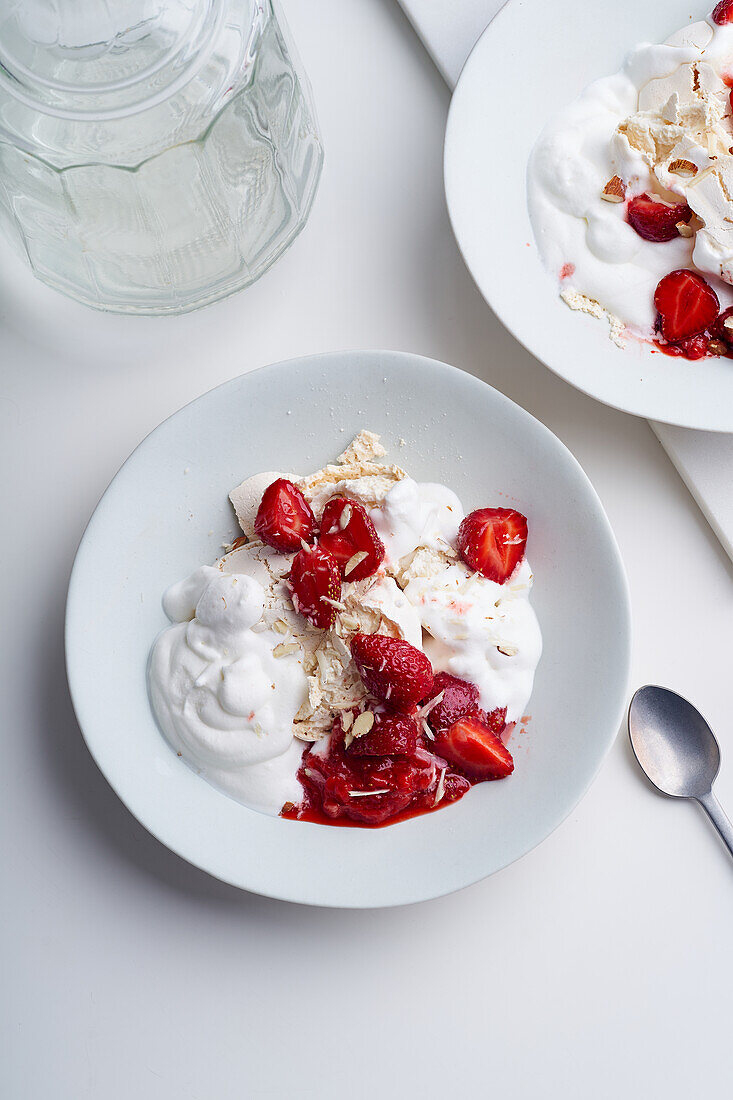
(184, 60)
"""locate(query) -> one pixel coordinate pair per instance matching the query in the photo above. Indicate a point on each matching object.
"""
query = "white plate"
(167, 511)
(532, 59)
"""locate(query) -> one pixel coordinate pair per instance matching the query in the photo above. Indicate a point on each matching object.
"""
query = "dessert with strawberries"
(359, 655)
(630, 194)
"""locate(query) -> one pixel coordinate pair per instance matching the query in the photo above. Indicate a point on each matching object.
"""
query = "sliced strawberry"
(720, 330)
(470, 745)
(346, 531)
(686, 304)
(391, 735)
(655, 220)
(496, 720)
(492, 541)
(723, 12)
(314, 579)
(284, 517)
(459, 698)
(392, 669)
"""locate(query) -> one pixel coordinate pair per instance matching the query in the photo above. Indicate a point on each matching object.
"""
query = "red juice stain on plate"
(566, 271)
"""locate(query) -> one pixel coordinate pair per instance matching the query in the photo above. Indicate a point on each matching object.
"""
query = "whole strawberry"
(392, 669)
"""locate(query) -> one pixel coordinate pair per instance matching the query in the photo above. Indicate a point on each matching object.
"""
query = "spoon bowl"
(673, 743)
(677, 750)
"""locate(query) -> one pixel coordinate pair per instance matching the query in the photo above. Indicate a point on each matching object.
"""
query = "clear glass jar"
(155, 155)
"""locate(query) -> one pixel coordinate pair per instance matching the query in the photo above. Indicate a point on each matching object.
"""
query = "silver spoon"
(678, 751)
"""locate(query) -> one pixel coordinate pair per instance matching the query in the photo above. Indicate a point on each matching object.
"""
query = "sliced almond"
(441, 787)
(346, 719)
(728, 323)
(288, 807)
(718, 347)
(349, 622)
(508, 650)
(424, 711)
(285, 649)
(682, 167)
(701, 176)
(615, 190)
(365, 794)
(334, 603)
(684, 229)
(345, 517)
(354, 560)
(427, 731)
(280, 626)
(363, 723)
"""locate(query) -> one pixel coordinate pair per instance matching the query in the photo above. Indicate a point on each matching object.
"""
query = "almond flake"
(349, 622)
(681, 167)
(288, 807)
(718, 347)
(352, 563)
(346, 719)
(728, 323)
(280, 626)
(427, 731)
(305, 546)
(684, 229)
(345, 517)
(441, 787)
(424, 711)
(615, 190)
(363, 723)
(365, 794)
(508, 650)
(334, 603)
(701, 176)
(285, 649)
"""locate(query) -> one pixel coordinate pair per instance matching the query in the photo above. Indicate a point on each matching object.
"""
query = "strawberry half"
(346, 531)
(284, 517)
(392, 669)
(686, 305)
(723, 12)
(655, 220)
(470, 745)
(492, 541)
(314, 579)
(391, 735)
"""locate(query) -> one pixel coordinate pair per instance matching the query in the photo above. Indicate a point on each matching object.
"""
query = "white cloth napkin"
(449, 29)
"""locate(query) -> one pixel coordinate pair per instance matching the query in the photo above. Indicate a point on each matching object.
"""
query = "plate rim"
(284, 893)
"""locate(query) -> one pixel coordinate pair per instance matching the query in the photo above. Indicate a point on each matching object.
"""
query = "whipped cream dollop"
(241, 684)
(662, 125)
(223, 698)
(478, 630)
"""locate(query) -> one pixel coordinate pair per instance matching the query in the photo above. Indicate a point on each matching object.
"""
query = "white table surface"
(601, 965)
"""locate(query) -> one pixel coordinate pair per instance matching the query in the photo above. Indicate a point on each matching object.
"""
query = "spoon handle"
(719, 818)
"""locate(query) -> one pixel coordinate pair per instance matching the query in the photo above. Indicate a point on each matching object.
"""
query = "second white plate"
(531, 60)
